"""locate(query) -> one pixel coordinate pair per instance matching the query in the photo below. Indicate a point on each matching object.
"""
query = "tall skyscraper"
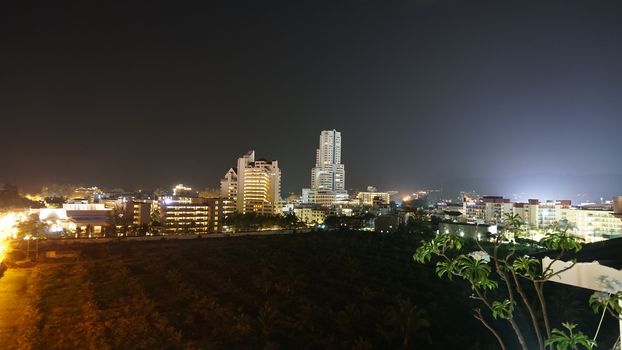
(328, 177)
(255, 185)
(328, 174)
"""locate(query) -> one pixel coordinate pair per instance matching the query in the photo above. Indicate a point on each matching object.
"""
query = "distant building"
(184, 212)
(229, 191)
(538, 214)
(488, 209)
(185, 218)
(590, 222)
(141, 211)
(617, 207)
(183, 191)
(328, 173)
(328, 176)
(87, 218)
(217, 213)
(254, 186)
(475, 231)
(310, 215)
(323, 198)
(373, 197)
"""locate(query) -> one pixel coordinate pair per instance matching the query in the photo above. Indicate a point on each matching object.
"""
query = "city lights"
(8, 230)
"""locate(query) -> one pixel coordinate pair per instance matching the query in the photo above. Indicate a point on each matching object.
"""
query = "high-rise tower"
(328, 177)
(328, 174)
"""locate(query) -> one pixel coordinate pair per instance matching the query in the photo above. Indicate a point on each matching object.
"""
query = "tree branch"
(478, 316)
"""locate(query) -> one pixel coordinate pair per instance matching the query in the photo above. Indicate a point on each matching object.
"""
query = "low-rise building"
(488, 209)
(370, 198)
(310, 216)
(589, 222)
(141, 211)
(84, 219)
(185, 218)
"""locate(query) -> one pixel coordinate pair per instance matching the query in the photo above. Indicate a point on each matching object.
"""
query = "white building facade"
(328, 176)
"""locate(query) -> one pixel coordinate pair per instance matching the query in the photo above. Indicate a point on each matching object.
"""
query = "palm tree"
(409, 319)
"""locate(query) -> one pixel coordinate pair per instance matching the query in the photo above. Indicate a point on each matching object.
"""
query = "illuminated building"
(373, 197)
(229, 191)
(536, 214)
(87, 218)
(328, 177)
(310, 215)
(184, 212)
(591, 223)
(181, 195)
(217, 208)
(254, 186)
(318, 197)
(182, 191)
(328, 174)
(185, 218)
(488, 209)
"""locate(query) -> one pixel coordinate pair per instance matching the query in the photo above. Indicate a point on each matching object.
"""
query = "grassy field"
(303, 291)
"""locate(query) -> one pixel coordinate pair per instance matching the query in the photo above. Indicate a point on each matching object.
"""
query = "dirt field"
(301, 291)
(13, 302)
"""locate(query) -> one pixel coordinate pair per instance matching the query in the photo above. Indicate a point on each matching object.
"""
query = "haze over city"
(512, 98)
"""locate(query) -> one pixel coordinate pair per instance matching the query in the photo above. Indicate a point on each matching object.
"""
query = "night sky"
(504, 97)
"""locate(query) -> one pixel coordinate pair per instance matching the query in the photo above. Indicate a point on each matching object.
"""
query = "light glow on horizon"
(8, 230)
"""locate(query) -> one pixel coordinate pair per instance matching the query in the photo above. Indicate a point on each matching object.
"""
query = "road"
(13, 301)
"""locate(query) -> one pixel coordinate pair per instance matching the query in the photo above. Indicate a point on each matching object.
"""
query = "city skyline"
(312, 174)
(504, 98)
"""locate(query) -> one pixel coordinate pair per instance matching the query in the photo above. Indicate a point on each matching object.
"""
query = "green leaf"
(557, 237)
(446, 268)
(563, 340)
(526, 266)
(503, 309)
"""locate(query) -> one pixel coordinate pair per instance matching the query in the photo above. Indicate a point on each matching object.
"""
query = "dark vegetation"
(323, 290)
(239, 222)
(11, 198)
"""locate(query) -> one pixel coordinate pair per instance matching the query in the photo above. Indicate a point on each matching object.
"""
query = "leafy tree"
(498, 277)
(31, 226)
(58, 191)
(409, 320)
(563, 340)
(120, 217)
(142, 230)
(254, 221)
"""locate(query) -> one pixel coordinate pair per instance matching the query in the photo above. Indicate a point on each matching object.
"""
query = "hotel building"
(328, 177)
(254, 186)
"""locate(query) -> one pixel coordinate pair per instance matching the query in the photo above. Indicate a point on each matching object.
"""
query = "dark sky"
(504, 97)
